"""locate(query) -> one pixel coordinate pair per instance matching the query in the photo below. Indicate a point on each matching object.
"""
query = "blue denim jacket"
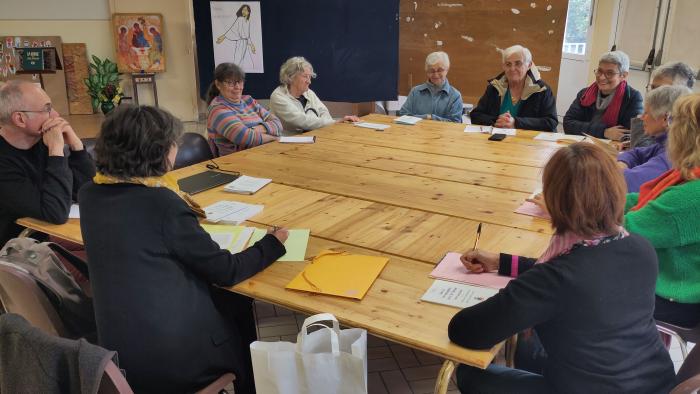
(445, 106)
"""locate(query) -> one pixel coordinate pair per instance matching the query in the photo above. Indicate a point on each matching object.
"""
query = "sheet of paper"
(306, 139)
(475, 128)
(451, 269)
(407, 119)
(554, 137)
(231, 211)
(231, 238)
(373, 126)
(245, 184)
(295, 244)
(531, 209)
(457, 294)
(74, 212)
(498, 130)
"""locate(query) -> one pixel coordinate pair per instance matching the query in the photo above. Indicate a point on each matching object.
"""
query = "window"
(578, 23)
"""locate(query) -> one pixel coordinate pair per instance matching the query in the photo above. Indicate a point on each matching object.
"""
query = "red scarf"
(613, 111)
(655, 187)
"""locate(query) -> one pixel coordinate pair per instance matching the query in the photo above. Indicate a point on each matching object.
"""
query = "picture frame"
(138, 42)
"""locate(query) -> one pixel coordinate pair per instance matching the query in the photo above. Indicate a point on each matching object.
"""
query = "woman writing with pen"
(597, 331)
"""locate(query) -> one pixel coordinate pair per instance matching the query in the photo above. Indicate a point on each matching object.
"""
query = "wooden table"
(411, 193)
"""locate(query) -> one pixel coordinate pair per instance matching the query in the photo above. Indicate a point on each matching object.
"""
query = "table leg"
(443, 378)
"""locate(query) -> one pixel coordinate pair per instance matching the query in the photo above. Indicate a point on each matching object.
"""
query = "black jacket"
(537, 112)
(37, 185)
(578, 118)
(151, 269)
(593, 311)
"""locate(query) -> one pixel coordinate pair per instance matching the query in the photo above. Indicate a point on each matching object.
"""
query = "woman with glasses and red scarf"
(605, 108)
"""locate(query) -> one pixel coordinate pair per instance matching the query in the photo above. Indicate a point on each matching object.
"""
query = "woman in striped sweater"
(237, 121)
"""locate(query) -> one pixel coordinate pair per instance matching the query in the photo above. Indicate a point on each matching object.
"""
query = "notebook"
(204, 181)
(245, 184)
(340, 274)
(451, 269)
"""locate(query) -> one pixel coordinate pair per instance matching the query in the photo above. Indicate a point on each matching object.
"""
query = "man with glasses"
(605, 108)
(36, 178)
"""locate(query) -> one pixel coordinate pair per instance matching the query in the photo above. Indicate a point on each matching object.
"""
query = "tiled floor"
(392, 368)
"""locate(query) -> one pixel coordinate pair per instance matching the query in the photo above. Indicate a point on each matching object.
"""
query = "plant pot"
(107, 107)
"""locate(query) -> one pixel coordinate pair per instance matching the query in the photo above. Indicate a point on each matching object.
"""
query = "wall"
(604, 17)
(176, 87)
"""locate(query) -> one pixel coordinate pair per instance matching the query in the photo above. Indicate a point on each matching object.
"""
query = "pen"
(478, 235)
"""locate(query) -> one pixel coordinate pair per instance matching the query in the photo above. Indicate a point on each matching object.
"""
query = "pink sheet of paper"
(451, 268)
(531, 209)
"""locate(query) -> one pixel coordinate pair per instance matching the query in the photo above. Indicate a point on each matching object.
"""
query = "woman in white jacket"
(295, 104)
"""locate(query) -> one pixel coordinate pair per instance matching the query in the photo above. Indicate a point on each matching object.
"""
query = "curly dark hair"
(223, 72)
(134, 142)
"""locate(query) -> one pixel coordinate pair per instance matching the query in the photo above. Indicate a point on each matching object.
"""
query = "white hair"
(11, 95)
(435, 58)
(681, 73)
(292, 67)
(616, 57)
(527, 55)
(660, 100)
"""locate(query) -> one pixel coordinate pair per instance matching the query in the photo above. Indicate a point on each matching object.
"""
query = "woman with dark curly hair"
(152, 267)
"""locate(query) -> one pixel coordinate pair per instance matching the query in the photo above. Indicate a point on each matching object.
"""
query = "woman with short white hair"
(643, 164)
(435, 99)
(295, 104)
(606, 107)
(517, 97)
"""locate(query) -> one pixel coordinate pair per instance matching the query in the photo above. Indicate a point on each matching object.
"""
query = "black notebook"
(204, 181)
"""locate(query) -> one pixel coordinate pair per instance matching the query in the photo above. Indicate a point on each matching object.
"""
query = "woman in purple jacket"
(643, 164)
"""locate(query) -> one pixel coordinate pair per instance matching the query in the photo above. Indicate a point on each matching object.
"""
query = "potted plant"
(103, 85)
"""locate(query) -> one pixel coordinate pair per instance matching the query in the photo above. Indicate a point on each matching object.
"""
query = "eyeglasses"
(608, 74)
(232, 84)
(516, 64)
(47, 108)
(436, 71)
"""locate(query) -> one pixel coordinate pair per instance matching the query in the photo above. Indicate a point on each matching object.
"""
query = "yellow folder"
(339, 273)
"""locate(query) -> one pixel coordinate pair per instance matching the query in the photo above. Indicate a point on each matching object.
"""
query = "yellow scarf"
(166, 181)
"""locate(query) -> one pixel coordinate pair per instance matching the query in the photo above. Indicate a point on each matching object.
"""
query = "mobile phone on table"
(497, 137)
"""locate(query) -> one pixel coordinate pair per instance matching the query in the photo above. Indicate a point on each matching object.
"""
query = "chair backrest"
(193, 149)
(20, 294)
(113, 382)
(89, 144)
(688, 375)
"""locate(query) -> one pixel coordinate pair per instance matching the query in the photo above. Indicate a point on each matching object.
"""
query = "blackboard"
(353, 46)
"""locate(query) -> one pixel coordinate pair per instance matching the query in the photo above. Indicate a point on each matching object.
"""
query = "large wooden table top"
(411, 193)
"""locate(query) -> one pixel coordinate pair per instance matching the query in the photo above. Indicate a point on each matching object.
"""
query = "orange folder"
(340, 274)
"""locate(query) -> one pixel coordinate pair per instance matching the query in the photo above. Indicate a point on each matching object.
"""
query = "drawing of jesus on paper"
(237, 34)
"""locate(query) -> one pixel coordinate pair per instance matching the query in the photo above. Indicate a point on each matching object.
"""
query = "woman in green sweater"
(666, 211)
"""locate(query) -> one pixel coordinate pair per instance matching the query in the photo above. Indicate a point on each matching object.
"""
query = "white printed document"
(306, 139)
(245, 184)
(498, 130)
(373, 126)
(474, 128)
(554, 137)
(458, 295)
(231, 212)
(74, 212)
(407, 119)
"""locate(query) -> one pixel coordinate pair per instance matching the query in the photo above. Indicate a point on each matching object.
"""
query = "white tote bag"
(329, 360)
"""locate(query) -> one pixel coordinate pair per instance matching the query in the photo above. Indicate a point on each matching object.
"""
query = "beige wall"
(176, 87)
(601, 41)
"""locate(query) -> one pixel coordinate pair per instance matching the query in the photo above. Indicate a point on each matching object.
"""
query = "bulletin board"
(471, 32)
(54, 84)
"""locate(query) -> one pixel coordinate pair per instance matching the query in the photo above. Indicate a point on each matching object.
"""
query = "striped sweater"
(231, 126)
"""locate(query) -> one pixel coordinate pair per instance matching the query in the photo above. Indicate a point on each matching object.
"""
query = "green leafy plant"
(103, 83)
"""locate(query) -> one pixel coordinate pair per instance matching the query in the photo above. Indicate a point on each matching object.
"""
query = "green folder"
(296, 243)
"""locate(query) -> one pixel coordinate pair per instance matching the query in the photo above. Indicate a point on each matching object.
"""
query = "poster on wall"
(138, 39)
(237, 34)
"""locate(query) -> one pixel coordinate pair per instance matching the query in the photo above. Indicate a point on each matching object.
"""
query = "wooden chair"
(193, 149)
(682, 334)
(688, 375)
(20, 294)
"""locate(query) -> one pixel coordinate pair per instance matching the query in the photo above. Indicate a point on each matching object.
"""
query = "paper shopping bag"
(329, 360)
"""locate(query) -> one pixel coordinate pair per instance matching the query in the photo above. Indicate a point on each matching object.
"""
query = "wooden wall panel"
(471, 32)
